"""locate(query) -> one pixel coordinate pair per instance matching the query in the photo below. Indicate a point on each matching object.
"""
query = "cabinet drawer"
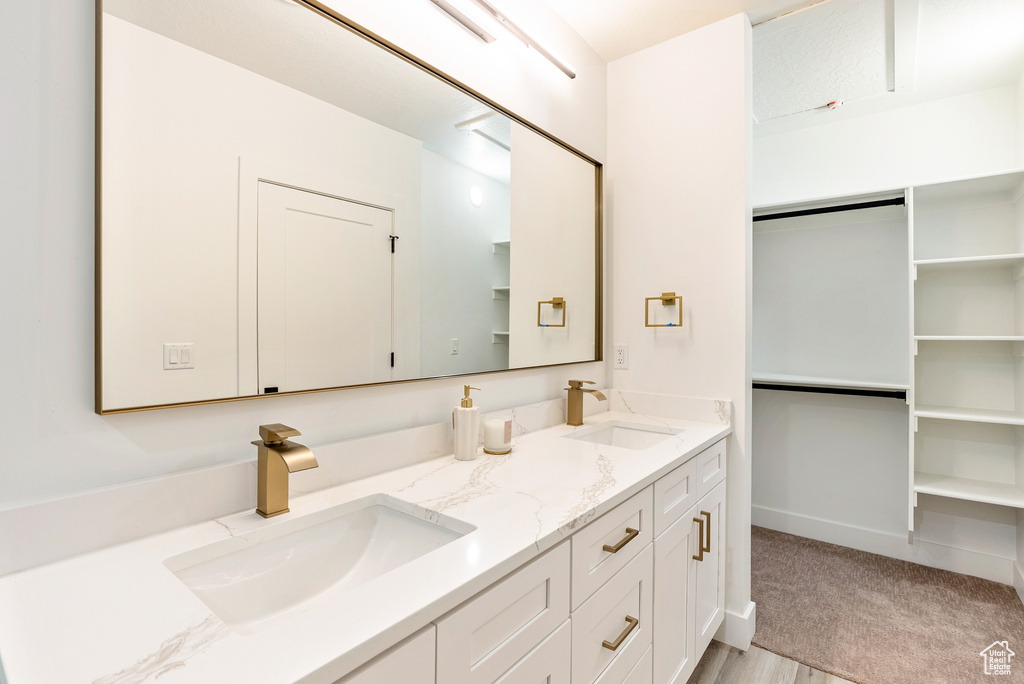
(674, 494)
(484, 637)
(548, 663)
(643, 672)
(606, 616)
(410, 662)
(710, 467)
(592, 564)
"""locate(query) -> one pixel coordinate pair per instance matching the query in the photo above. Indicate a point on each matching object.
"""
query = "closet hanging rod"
(825, 389)
(894, 202)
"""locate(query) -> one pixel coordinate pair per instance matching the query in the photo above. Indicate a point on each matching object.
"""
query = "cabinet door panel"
(710, 572)
(674, 643)
(641, 674)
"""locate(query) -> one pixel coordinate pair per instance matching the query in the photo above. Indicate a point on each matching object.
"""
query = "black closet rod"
(824, 389)
(894, 202)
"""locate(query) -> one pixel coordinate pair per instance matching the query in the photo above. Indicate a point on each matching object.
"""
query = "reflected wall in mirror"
(286, 206)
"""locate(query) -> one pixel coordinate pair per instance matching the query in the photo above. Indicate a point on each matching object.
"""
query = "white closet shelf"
(809, 381)
(992, 260)
(969, 415)
(969, 490)
(970, 338)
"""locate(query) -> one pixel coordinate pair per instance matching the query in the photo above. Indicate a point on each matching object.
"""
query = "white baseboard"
(967, 562)
(737, 629)
(1018, 581)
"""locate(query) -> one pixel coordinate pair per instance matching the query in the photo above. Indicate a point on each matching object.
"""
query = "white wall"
(970, 134)
(56, 443)
(679, 139)
(459, 268)
(1020, 120)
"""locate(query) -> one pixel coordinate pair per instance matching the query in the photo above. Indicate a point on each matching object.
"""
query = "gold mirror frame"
(346, 23)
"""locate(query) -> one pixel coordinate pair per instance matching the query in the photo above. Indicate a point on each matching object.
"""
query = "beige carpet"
(877, 620)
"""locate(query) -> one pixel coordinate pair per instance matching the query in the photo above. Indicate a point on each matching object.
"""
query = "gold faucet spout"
(278, 457)
(574, 410)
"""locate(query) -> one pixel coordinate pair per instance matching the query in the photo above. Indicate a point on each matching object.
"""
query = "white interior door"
(324, 291)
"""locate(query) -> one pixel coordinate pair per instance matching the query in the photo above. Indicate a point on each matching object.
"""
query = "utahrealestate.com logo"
(997, 658)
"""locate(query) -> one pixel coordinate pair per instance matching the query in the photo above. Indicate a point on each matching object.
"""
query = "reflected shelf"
(969, 490)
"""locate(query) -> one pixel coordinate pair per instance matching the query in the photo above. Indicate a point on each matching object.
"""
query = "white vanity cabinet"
(647, 595)
(689, 568)
(409, 662)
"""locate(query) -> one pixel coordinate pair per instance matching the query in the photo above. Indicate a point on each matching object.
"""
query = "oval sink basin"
(254, 580)
(623, 434)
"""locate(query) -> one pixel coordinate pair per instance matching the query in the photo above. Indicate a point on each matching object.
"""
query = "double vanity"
(587, 554)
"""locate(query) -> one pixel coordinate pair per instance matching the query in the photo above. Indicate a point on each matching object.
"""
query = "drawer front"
(603, 618)
(710, 467)
(410, 662)
(674, 494)
(549, 663)
(483, 638)
(592, 563)
(642, 673)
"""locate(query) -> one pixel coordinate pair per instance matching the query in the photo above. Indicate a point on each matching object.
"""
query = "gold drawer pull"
(706, 548)
(700, 543)
(630, 536)
(631, 623)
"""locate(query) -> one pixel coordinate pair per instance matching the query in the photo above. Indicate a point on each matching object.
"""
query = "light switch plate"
(620, 358)
(455, 346)
(179, 355)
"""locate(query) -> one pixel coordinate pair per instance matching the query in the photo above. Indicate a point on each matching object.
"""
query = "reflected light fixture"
(465, 21)
(476, 196)
(516, 31)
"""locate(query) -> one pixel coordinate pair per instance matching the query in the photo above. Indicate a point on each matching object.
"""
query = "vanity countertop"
(119, 615)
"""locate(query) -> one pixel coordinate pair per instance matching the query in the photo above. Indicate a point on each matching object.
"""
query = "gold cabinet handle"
(631, 623)
(700, 544)
(630, 536)
(706, 548)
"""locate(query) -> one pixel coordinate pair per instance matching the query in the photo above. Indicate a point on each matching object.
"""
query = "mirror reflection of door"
(324, 291)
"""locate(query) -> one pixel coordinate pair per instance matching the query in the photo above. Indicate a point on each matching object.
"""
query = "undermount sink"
(254, 580)
(623, 434)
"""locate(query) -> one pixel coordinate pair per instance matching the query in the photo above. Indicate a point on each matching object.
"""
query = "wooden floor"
(723, 664)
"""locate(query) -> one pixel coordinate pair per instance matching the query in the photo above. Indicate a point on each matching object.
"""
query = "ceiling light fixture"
(523, 36)
(465, 21)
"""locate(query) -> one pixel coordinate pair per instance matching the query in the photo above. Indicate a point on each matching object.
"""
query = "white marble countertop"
(119, 615)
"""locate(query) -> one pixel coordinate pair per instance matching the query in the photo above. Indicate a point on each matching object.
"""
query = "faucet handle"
(275, 433)
(578, 384)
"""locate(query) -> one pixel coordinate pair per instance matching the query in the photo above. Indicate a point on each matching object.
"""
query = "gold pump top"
(466, 401)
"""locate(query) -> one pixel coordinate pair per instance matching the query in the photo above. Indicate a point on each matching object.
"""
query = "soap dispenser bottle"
(466, 422)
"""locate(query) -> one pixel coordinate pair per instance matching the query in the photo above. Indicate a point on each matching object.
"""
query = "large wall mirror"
(286, 205)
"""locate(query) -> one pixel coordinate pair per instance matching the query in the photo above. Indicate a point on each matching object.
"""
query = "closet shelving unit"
(968, 341)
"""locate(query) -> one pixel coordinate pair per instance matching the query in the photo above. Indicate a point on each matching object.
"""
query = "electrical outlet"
(455, 346)
(621, 357)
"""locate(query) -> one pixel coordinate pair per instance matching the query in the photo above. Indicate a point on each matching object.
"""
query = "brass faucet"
(575, 411)
(277, 458)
